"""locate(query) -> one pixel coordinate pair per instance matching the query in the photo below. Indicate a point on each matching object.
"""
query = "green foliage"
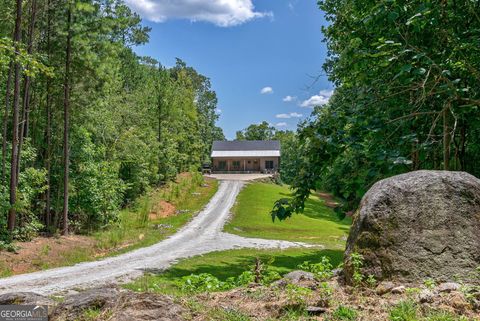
(322, 270)
(344, 313)
(404, 311)
(298, 295)
(407, 97)
(356, 260)
(262, 131)
(429, 283)
(203, 283)
(206, 282)
(134, 125)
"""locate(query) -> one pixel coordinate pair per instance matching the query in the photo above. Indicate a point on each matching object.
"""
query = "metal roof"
(246, 153)
(246, 145)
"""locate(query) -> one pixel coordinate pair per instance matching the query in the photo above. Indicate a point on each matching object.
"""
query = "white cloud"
(290, 115)
(282, 124)
(266, 90)
(318, 100)
(223, 13)
(289, 98)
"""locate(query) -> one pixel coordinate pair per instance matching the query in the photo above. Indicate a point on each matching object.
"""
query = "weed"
(357, 264)
(298, 295)
(343, 313)
(371, 281)
(443, 316)
(45, 250)
(429, 283)
(322, 270)
(325, 293)
(404, 311)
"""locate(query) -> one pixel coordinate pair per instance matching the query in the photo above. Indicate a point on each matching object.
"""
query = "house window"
(222, 165)
(236, 165)
(269, 164)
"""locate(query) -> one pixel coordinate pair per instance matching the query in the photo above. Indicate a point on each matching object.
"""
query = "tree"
(16, 101)
(262, 131)
(407, 97)
(66, 119)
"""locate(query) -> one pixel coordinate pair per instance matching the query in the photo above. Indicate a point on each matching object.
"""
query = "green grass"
(318, 224)
(224, 264)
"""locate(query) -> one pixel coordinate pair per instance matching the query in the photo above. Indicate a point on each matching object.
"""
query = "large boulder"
(423, 224)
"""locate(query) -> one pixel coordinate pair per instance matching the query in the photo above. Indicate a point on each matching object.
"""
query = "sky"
(263, 57)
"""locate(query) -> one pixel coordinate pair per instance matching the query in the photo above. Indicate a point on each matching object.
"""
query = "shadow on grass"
(283, 263)
(318, 210)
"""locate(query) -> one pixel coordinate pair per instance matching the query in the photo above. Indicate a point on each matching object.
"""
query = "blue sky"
(262, 56)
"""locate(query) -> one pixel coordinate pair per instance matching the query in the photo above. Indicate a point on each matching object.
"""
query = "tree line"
(88, 125)
(407, 97)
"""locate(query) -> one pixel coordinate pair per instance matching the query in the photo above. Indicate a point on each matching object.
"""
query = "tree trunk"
(17, 37)
(48, 134)
(5, 124)
(23, 132)
(66, 107)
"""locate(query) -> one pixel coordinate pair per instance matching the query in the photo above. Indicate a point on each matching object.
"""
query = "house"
(246, 156)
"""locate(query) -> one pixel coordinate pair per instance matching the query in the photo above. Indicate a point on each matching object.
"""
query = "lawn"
(318, 224)
(224, 264)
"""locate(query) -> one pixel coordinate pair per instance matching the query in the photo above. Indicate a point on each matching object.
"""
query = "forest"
(87, 125)
(407, 97)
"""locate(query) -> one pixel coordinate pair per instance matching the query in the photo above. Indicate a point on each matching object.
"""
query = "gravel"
(202, 235)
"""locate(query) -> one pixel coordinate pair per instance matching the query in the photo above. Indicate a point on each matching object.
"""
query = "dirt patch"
(161, 210)
(323, 298)
(41, 252)
(328, 199)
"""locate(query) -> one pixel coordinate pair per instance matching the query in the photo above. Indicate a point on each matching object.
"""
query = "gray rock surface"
(448, 287)
(111, 302)
(426, 296)
(384, 287)
(399, 289)
(296, 276)
(25, 298)
(423, 224)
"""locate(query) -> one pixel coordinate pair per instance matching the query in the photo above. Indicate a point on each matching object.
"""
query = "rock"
(297, 276)
(337, 272)
(120, 305)
(311, 310)
(426, 296)
(399, 290)
(25, 298)
(423, 224)
(148, 306)
(448, 287)
(384, 287)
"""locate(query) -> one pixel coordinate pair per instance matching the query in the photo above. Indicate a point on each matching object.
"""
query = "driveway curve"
(201, 235)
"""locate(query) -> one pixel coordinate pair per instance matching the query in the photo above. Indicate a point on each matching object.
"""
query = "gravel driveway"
(202, 235)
